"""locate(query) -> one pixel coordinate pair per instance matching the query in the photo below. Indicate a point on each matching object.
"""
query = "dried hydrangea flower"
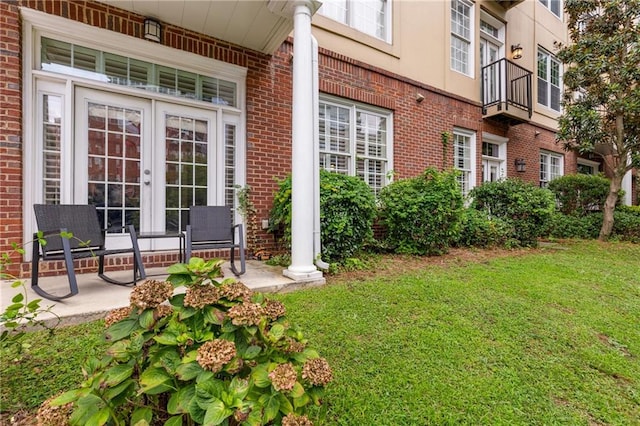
(54, 416)
(283, 377)
(214, 354)
(317, 372)
(116, 315)
(292, 419)
(199, 296)
(246, 314)
(240, 416)
(163, 311)
(235, 290)
(150, 293)
(294, 346)
(274, 309)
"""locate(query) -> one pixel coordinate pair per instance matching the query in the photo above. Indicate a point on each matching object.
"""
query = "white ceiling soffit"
(247, 23)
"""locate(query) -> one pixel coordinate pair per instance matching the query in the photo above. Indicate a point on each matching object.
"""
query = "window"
(371, 17)
(461, 36)
(355, 141)
(551, 167)
(549, 80)
(588, 167)
(555, 6)
(464, 143)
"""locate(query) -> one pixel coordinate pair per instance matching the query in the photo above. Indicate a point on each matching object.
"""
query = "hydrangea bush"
(217, 353)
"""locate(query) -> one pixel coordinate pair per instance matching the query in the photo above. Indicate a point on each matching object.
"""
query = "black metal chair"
(88, 240)
(211, 227)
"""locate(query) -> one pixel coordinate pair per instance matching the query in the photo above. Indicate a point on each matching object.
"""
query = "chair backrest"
(79, 219)
(211, 223)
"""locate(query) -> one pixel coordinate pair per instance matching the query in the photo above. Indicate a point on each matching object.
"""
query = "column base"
(301, 276)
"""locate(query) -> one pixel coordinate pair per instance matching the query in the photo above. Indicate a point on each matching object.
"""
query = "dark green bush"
(626, 223)
(524, 206)
(422, 215)
(347, 211)
(479, 230)
(580, 194)
(571, 226)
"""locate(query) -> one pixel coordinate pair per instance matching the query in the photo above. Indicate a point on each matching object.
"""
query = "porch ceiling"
(260, 25)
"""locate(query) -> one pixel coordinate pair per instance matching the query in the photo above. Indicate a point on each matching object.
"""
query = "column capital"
(287, 8)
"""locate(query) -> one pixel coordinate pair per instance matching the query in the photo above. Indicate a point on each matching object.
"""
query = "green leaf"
(252, 352)
(146, 319)
(216, 413)
(121, 329)
(116, 391)
(117, 374)
(285, 404)
(18, 298)
(142, 414)
(154, 381)
(100, 418)
(65, 398)
(297, 390)
(189, 371)
(277, 331)
(260, 376)
(239, 387)
(174, 421)
(213, 315)
(301, 401)
(181, 400)
(166, 339)
(119, 350)
(271, 409)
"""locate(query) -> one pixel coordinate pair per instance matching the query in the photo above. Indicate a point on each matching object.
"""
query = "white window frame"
(502, 152)
(351, 154)
(548, 5)
(466, 41)
(332, 9)
(548, 60)
(551, 167)
(589, 163)
(468, 178)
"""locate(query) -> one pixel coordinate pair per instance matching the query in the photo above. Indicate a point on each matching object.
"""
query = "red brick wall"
(10, 130)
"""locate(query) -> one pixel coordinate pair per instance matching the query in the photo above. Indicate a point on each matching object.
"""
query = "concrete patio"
(97, 297)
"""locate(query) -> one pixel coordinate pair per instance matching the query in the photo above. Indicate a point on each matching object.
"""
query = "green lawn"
(551, 336)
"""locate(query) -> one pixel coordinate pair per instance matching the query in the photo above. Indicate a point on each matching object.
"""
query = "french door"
(143, 162)
(490, 53)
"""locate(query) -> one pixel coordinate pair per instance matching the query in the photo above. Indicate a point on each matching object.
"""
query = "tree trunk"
(610, 205)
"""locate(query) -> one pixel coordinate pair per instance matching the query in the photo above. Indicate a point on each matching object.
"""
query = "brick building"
(98, 108)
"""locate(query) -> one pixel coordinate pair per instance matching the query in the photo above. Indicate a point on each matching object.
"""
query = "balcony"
(506, 91)
(508, 4)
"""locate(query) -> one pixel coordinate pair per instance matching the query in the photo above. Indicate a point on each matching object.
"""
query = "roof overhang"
(260, 25)
(508, 4)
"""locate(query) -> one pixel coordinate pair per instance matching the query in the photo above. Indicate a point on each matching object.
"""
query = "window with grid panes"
(371, 17)
(549, 80)
(551, 167)
(555, 6)
(461, 35)
(354, 141)
(463, 158)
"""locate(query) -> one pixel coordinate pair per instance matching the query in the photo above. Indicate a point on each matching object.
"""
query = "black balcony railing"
(506, 85)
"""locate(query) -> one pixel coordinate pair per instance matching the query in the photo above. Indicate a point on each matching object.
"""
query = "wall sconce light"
(520, 165)
(152, 30)
(516, 51)
(419, 97)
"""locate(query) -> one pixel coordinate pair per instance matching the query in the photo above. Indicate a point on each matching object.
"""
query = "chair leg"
(187, 245)
(138, 267)
(35, 270)
(241, 250)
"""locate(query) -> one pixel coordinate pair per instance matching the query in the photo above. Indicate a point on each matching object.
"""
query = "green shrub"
(524, 206)
(626, 223)
(216, 354)
(580, 194)
(422, 215)
(480, 230)
(571, 226)
(347, 211)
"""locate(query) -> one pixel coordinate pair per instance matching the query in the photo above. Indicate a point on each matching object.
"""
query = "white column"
(302, 267)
